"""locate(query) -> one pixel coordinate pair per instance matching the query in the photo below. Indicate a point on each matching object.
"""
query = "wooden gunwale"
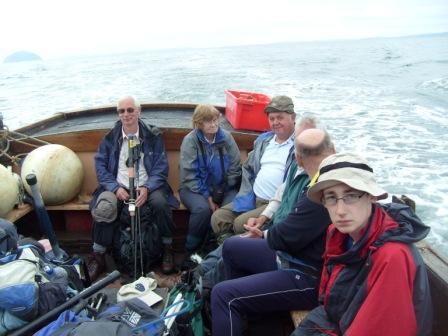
(86, 141)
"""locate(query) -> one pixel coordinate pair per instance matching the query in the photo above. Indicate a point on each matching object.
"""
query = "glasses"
(211, 121)
(129, 110)
(348, 199)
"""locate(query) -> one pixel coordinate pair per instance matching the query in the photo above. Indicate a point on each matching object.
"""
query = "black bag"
(152, 247)
(218, 193)
(51, 295)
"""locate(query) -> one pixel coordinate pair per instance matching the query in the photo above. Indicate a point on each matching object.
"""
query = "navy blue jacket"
(301, 234)
(155, 161)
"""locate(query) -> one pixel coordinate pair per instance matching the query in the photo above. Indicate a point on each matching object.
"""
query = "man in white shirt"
(264, 170)
(275, 202)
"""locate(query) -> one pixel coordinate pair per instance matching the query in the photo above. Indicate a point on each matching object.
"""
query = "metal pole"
(132, 143)
(42, 216)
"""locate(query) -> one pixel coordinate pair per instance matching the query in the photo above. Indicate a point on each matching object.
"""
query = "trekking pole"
(139, 234)
(138, 224)
(132, 158)
(52, 314)
(137, 213)
(42, 216)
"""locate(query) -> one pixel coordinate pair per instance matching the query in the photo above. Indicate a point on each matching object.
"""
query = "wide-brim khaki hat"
(351, 169)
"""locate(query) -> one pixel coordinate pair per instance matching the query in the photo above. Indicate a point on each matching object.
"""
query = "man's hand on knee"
(256, 222)
(122, 194)
(142, 193)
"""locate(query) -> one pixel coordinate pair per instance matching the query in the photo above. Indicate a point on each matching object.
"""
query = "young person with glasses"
(374, 281)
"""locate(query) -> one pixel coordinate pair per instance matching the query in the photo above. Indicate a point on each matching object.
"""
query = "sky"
(60, 28)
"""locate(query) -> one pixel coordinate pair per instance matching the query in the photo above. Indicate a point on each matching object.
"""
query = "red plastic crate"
(245, 110)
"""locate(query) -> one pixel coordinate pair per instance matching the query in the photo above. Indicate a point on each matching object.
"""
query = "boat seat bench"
(22, 210)
(81, 202)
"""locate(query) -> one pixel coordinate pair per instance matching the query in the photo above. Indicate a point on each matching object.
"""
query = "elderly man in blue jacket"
(153, 194)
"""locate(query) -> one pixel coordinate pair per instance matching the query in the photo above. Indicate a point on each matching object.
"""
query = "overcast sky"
(57, 28)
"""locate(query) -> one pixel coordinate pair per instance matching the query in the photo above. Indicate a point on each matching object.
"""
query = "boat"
(82, 130)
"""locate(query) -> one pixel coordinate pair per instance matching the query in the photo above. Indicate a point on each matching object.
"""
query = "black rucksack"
(151, 240)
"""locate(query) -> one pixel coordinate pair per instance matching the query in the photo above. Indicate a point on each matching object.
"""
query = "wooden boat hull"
(82, 131)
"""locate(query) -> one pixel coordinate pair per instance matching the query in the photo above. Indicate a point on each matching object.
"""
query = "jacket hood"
(390, 222)
(410, 228)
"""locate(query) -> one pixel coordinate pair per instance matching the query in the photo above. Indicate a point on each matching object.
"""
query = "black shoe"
(167, 260)
(96, 265)
(187, 263)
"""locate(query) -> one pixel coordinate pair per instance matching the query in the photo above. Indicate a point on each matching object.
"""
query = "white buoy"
(59, 173)
(9, 191)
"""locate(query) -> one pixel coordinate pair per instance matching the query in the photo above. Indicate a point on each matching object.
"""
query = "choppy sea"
(386, 98)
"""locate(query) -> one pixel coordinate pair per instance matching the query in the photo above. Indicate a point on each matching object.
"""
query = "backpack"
(31, 285)
(119, 319)
(8, 236)
(152, 247)
(19, 290)
(190, 322)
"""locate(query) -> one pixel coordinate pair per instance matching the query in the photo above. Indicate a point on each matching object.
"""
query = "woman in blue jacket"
(210, 172)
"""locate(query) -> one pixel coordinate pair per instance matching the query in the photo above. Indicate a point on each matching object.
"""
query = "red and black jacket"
(377, 287)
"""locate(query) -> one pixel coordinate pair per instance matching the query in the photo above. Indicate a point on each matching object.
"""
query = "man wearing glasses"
(153, 196)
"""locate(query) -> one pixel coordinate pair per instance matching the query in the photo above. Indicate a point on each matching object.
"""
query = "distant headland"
(22, 56)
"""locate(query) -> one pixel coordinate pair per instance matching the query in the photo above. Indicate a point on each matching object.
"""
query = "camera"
(218, 194)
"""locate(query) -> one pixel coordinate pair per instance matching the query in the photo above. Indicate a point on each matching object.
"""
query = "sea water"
(386, 98)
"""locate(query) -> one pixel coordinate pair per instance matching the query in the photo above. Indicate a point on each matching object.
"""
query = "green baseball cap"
(280, 104)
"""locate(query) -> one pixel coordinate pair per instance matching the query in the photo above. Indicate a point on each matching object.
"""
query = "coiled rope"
(7, 137)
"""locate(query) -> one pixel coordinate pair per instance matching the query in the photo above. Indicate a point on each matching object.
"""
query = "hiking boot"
(165, 281)
(96, 264)
(188, 263)
(167, 260)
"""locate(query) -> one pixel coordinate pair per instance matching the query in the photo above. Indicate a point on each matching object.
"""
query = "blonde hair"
(204, 112)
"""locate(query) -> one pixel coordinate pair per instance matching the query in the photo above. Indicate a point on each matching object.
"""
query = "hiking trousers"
(256, 286)
(200, 213)
(225, 219)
